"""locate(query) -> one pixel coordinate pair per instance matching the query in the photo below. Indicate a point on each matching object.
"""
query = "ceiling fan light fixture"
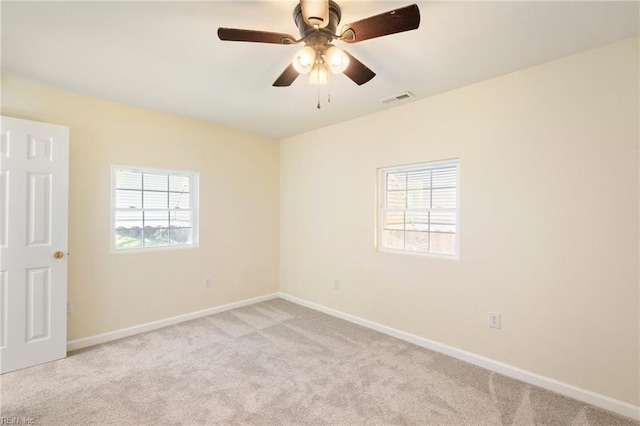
(319, 74)
(304, 60)
(317, 22)
(337, 60)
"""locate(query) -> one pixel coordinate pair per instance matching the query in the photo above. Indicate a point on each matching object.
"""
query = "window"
(153, 208)
(419, 208)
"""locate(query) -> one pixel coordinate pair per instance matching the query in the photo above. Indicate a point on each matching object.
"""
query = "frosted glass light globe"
(319, 74)
(337, 60)
(304, 59)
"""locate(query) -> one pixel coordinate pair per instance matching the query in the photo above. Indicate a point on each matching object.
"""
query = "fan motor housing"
(313, 35)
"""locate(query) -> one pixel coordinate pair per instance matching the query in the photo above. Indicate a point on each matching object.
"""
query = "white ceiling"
(166, 56)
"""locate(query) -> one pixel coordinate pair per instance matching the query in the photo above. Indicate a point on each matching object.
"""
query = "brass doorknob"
(58, 254)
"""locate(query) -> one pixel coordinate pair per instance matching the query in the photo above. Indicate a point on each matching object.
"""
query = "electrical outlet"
(69, 307)
(494, 319)
(336, 285)
(207, 282)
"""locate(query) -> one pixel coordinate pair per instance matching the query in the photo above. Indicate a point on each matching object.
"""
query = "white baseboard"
(602, 401)
(130, 331)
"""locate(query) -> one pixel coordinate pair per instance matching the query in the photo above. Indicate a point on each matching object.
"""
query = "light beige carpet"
(276, 363)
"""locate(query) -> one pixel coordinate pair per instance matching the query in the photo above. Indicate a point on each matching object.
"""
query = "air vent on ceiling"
(400, 97)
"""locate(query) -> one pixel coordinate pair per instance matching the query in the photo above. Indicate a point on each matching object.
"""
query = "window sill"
(418, 254)
(153, 249)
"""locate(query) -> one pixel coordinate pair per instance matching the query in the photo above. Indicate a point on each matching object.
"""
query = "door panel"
(39, 209)
(38, 303)
(39, 148)
(3, 309)
(4, 206)
(33, 225)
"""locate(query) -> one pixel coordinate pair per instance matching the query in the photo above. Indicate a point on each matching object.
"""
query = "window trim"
(194, 195)
(381, 201)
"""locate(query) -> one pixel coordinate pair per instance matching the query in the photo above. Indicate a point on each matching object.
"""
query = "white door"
(34, 175)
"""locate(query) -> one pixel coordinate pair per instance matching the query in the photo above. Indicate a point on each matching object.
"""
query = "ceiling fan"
(317, 21)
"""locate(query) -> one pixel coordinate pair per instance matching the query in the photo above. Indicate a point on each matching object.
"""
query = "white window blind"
(153, 208)
(419, 208)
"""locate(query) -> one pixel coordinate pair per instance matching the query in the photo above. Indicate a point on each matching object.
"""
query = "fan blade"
(392, 22)
(357, 71)
(287, 77)
(235, 34)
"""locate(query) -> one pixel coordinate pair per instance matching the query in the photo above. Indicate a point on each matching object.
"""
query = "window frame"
(194, 178)
(381, 194)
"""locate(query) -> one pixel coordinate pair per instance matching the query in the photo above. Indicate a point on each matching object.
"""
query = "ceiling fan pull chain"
(318, 105)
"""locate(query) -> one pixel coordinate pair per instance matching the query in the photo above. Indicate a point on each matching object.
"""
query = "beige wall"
(548, 222)
(239, 193)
